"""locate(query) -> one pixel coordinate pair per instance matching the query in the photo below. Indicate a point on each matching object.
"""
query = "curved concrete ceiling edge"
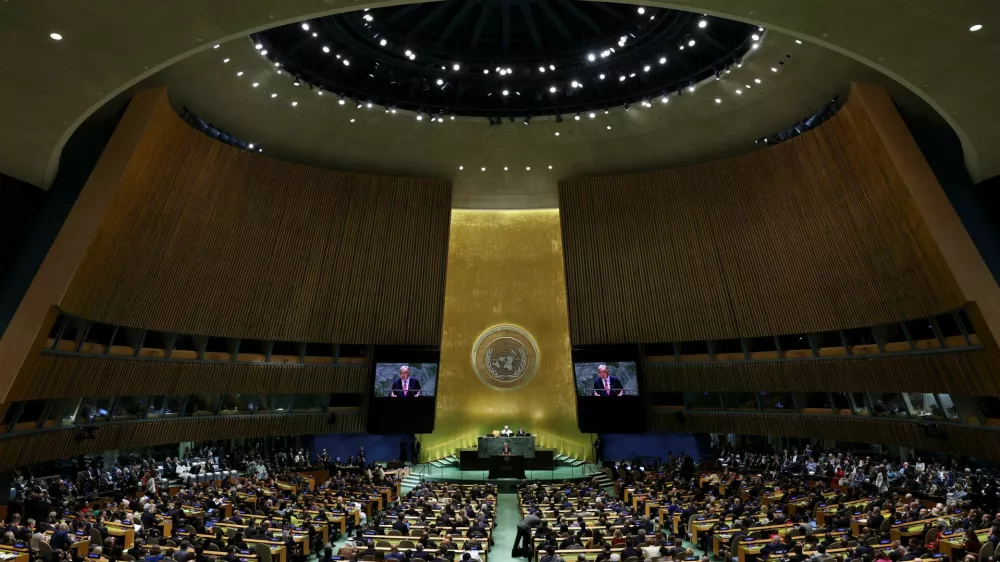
(253, 16)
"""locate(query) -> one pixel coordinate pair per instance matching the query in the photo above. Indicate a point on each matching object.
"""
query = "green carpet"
(505, 529)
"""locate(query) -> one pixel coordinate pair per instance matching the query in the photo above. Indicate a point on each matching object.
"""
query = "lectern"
(507, 466)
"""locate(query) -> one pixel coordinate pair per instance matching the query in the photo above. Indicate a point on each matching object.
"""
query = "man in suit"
(506, 449)
(405, 386)
(875, 520)
(606, 384)
(521, 432)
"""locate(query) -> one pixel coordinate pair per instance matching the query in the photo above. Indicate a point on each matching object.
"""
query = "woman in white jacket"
(882, 481)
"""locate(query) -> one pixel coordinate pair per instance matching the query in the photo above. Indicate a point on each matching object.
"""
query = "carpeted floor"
(505, 529)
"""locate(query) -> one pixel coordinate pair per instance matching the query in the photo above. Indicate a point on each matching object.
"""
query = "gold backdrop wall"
(505, 267)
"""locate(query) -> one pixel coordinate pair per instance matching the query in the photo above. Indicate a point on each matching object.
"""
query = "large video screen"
(606, 379)
(405, 380)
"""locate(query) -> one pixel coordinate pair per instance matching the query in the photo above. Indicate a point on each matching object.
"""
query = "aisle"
(505, 529)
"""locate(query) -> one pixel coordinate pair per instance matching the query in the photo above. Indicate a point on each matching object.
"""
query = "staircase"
(567, 460)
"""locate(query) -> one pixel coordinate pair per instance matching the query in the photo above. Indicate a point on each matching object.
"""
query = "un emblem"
(505, 357)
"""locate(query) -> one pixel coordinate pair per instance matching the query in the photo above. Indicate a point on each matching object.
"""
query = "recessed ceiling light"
(255, 84)
(691, 88)
(295, 103)
(274, 95)
(347, 62)
(552, 89)
(976, 27)
(557, 133)
(505, 168)
(703, 24)
(225, 61)
(645, 68)
(326, 49)
(663, 60)
(420, 117)
(601, 77)
(755, 37)
(592, 115)
(528, 168)
(621, 78)
(718, 100)
(240, 73)
(383, 43)
(552, 67)
(664, 99)
(641, 10)
(277, 65)
(461, 167)
(576, 117)
(691, 43)
(483, 168)
(756, 80)
(368, 17)
(798, 41)
(60, 37)
(352, 120)
(315, 34)
(263, 53)
(486, 71)
(368, 105)
(774, 69)
(609, 127)
(591, 57)
(258, 46)
(755, 45)
(541, 69)
(506, 92)
(413, 56)
(341, 101)
(305, 27)
(550, 167)
(509, 71)
(682, 47)
(456, 67)
(739, 92)
(440, 82)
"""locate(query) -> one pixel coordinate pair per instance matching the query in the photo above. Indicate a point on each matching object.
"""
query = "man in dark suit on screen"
(405, 386)
(607, 385)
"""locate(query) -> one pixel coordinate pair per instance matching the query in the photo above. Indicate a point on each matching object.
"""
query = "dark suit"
(397, 388)
(613, 382)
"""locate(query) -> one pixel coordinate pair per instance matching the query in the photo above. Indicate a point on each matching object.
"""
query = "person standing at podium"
(404, 386)
(606, 384)
(506, 449)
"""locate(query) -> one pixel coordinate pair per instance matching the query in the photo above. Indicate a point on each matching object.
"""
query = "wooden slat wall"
(955, 439)
(960, 372)
(814, 234)
(23, 450)
(208, 239)
(58, 376)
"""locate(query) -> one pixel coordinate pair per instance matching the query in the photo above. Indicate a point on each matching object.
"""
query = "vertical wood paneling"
(58, 376)
(814, 234)
(206, 238)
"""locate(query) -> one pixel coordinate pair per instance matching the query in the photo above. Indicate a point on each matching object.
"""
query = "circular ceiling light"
(58, 37)
(440, 82)
(326, 49)
(456, 67)
(552, 67)
(798, 41)
(755, 37)
(506, 92)
(718, 100)
(691, 43)
(550, 167)
(756, 80)
(591, 57)
(592, 115)
(552, 89)
(663, 60)
(383, 43)
(703, 24)
(305, 27)
(976, 27)
(601, 76)
(461, 168)
(641, 10)
(664, 99)
(341, 101)
(255, 84)
(258, 46)
(645, 68)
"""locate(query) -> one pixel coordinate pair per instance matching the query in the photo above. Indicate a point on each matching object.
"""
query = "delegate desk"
(14, 553)
(490, 446)
(953, 542)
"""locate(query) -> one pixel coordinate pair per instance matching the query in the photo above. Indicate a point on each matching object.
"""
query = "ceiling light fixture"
(663, 60)
(557, 133)
(341, 101)
(240, 73)
(486, 71)
(60, 37)
(305, 27)
(527, 168)
(755, 37)
(798, 41)
(440, 82)
(295, 103)
(506, 92)
(456, 67)
(255, 84)
(274, 95)
(505, 168)
(755, 45)
(552, 89)
(552, 67)
(691, 43)
(383, 43)
(413, 56)
(703, 24)
(601, 77)
(664, 99)
(460, 168)
(645, 68)
(258, 46)
(576, 117)
(483, 168)
(976, 27)
(641, 10)
(718, 100)
(326, 49)
(352, 120)
(591, 57)
(739, 92)
(592, 115)
(774, 69)
(250, 146)
(347, 62)
(419, 117)
(691, 88)
(609, 127)
(756, 80)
